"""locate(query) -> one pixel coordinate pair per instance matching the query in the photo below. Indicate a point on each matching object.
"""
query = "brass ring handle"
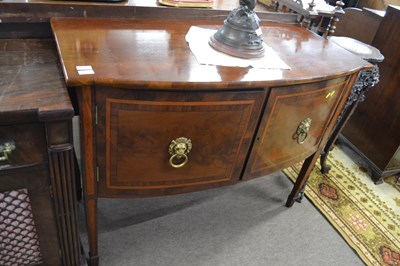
(302, 131)
(6, 149)
(301, 138)
(179, 165)
(179, 148)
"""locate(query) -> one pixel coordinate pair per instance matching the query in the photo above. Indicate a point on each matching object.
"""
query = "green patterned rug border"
(393, 181)
(362, 217)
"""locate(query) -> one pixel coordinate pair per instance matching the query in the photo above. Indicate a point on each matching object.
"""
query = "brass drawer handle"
(179, 148)
(302, 131)
(6, 150)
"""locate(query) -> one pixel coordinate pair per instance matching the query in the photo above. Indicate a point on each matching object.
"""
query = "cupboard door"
(29, 230)
(135, 131)
(293, 124)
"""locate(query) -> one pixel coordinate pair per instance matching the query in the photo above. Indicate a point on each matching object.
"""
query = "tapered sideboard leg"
(87, 121)
(91, 223)
(301, 181)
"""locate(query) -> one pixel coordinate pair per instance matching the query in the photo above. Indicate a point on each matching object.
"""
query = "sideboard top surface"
(31, 84)
(153, 53)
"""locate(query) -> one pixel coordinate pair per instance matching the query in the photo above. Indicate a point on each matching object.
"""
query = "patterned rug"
(366, 215)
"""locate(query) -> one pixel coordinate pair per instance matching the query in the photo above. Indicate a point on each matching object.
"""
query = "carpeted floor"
(246, 224)
(365, 214)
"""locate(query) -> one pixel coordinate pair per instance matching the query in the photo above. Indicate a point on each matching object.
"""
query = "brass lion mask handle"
(5, 150)
(302, 131)
(179, 149)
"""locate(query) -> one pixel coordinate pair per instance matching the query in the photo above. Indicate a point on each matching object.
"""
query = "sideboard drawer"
(28, 143)
(293, 124)
(135, 131)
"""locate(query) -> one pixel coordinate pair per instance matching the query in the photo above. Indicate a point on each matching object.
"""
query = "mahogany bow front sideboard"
(156, 122)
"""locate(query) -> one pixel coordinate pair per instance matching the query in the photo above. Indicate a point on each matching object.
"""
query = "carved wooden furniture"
(374, 129)
(365, 81)
(155, 122)
(315, 14)
(37, 193)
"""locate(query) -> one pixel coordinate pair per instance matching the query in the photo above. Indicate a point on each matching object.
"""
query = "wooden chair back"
(359, 24)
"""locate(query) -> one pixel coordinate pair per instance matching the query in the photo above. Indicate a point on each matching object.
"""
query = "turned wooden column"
(62, 173)
(334, 19)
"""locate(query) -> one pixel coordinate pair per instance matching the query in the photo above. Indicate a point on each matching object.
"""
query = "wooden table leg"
(301, 181)
(85, 98)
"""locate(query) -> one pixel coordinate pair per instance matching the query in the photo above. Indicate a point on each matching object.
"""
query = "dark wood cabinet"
(374, 129)
(37, 171)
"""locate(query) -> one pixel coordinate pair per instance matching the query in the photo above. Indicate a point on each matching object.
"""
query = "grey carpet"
(245, 224)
